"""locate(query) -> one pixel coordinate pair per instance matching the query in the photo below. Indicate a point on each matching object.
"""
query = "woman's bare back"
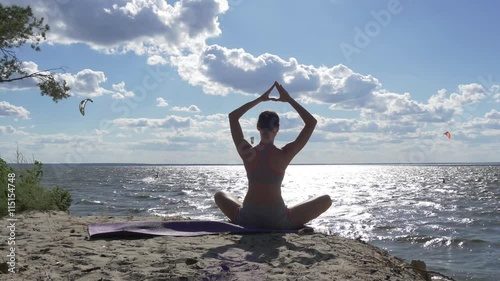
(265, 172)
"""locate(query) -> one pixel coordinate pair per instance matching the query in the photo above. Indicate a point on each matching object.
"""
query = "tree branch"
(39, 74)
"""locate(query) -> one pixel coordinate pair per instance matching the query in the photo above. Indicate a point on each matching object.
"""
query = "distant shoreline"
(298, 164)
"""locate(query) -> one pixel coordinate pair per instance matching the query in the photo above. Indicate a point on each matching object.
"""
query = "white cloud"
(220, 70)
(156, 59)
(61, 138)
(467, 94)
(9, 130)
(213, 121)
(86, 83)
(491, 121)
(173, 122)
(493, 114)
(495, 90)
(4, 130)
(191, 109)
(190, 136)
(100, 132)
(213, 117)
(471, 93)
(121, 92)
(142, 26)
(160, 102)
(10, 110)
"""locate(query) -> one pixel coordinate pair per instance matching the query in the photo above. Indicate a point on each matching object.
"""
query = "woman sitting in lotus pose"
(265, 165)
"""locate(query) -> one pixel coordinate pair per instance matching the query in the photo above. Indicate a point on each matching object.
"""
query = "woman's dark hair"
(268, 120)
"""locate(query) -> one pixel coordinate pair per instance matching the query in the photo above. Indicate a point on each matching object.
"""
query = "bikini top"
(262, 171)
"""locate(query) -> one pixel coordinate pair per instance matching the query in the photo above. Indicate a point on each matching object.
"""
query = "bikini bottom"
(264, 216)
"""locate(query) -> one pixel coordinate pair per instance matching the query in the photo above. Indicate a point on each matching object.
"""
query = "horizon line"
(241, 164)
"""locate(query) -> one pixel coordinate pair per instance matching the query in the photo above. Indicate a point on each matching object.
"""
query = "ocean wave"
(142, 196)
(432, 241)
(136, 210)
(90, 202)
(148, 180)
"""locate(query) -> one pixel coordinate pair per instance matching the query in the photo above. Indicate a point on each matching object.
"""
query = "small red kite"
(447, 134)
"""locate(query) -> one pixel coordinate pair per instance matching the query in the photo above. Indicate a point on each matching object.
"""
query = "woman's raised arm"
(236, 132)
(291, 149)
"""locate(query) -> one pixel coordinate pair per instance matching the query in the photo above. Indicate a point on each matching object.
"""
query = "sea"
(447, 215)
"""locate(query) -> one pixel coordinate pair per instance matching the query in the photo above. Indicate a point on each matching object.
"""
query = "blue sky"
(385, 79)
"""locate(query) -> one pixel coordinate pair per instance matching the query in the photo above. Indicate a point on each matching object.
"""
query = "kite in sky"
(82, 105)
(447, 134)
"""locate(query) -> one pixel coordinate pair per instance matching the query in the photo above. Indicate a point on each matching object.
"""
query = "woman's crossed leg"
(228, 204)
(305, 212)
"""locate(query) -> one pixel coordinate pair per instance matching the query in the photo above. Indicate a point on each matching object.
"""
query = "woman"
(265, 165)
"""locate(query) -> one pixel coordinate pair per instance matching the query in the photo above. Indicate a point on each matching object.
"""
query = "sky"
(385, 79)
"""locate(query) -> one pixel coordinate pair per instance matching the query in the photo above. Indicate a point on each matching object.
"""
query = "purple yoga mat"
(174, 228)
